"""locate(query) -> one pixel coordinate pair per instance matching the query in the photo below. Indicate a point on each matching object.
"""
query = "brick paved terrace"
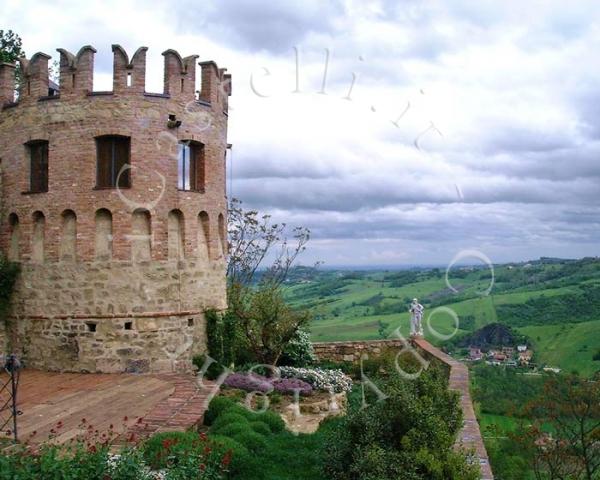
(151, 403)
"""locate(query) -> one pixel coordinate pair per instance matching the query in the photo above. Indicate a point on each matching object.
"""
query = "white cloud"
(511, 87)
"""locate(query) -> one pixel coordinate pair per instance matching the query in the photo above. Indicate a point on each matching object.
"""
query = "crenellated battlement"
(76, 77)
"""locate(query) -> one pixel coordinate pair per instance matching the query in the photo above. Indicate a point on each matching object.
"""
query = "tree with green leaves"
(564, 440)
(259, 259)
(11, 49)
(11, 46)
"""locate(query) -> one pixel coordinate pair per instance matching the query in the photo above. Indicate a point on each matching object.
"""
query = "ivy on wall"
(8, 276)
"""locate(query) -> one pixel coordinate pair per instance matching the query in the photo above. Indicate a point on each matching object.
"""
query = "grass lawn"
(294, 457)
(569, 346)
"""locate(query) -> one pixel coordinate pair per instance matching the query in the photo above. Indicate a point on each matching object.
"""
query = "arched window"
(203, 236)
(112, 161)
(222, 235)
(15, 238)
(68, 238)
(141, 238)
(176, 243)
(38, 237)
(190, 166)
(104, 237)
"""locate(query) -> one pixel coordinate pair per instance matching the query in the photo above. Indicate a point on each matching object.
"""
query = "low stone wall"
(113, 316)
(469, 438)
(353, 351)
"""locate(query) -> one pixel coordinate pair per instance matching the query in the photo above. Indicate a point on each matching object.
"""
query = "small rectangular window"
(113, 162)
(38, 157)
(190, 166)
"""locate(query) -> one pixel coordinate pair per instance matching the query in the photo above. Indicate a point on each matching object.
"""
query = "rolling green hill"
(556, 303)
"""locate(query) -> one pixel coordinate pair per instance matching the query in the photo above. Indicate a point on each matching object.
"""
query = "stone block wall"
(114, 317)
(352, 351)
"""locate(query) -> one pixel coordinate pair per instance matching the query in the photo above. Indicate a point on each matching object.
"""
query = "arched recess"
(203, 236)
(141, 238)
(176, 239)
(38, 237)
(104, 235)
(222, 235)
(68, 237)
(14, 252)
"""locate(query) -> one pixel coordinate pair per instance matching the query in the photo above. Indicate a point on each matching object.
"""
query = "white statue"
(416, 310)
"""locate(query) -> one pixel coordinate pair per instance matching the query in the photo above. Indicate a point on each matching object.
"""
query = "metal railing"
(10, 368)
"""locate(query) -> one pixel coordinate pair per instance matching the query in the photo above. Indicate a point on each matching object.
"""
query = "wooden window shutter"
(121, 160)
(104, 160)
(198, 157)
(38, 153)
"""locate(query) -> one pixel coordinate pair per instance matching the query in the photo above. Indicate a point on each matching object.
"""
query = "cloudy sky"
(399, 132)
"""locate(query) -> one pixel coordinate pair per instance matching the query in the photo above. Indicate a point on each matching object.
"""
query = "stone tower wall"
(113, 279)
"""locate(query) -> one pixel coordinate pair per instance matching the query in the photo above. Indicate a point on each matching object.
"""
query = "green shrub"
(261, 427)
(160, 446)
(299, 351)
(214, 369)
(128, 465)
(217, 406)
(232, 429)
(273, 421)
(410, 434)
(253, 441)
(240, 409)
(243, 465)
(228, 418)
(8, 276)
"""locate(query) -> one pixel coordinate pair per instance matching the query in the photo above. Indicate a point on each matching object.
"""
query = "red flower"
(92, 449)
(203, 436)
(227, 458)
(202, 466)
(207, 450)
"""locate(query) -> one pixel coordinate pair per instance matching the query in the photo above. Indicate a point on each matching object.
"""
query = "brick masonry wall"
(61, 291)
(469, 438)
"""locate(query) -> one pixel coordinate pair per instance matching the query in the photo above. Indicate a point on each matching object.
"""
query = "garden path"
(151, 403)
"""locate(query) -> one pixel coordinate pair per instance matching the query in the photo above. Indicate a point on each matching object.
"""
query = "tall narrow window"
(113, 162)
(68, 239)
(203, 236)
(15, 238)
(190, 166)
(176, 243)
(104, 234)
(38, 237)
(141, 238)
(38, 161)
(222, 235)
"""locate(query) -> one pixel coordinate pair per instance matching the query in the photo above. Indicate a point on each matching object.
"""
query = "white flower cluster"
(319, 378)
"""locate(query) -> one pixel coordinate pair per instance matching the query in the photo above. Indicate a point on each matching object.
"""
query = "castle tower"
(114, 204)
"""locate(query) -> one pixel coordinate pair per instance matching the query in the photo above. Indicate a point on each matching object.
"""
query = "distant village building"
(525, 357)
(475, 354)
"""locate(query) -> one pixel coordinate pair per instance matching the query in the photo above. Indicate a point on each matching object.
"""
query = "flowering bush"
(248, 381)
(319, 379)
(252, 382)
(291, 385)
(94, 456)
(299, 351)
